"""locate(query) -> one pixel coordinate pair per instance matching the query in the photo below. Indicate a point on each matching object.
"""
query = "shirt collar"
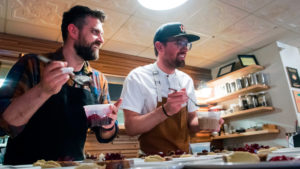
(161, 72)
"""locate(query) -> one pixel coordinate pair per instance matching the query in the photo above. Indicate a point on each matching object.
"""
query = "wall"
(284, 115)
(290, 57)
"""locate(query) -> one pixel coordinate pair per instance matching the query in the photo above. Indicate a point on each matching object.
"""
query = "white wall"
(284, 115)
(290, 57)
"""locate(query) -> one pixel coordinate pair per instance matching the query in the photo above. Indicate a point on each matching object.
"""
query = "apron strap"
(157, 83)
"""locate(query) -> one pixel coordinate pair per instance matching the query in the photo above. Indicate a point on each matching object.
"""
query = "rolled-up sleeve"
(19, 80)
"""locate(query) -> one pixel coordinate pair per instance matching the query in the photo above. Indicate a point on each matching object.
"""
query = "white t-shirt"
(139, 89)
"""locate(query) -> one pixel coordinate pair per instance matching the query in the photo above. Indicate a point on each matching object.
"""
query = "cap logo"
(182, 28)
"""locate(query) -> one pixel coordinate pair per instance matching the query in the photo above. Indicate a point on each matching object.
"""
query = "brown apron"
(170, 135)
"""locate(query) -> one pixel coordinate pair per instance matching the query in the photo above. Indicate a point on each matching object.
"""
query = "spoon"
(199, 105)
(79, 79)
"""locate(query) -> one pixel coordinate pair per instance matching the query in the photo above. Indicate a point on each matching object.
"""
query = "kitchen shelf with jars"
(249, 86)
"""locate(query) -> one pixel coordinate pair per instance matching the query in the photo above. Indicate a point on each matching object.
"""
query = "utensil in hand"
(198, 105)
(79, 79)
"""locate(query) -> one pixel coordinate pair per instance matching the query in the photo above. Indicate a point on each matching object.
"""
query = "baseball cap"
(173, 29)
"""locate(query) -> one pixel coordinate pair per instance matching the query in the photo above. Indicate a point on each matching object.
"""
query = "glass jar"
(254, 99)
(233, 86)
(243, 103)
(253, 79)
(238, 84)
(228, 88)
(249, 101)
(261, 78)
(262, 100)
(245, 82)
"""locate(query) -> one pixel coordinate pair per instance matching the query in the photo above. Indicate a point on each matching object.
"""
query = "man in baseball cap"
(155, 96)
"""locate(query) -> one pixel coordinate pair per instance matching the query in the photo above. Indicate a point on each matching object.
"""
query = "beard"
(179, 63)
(85, 50)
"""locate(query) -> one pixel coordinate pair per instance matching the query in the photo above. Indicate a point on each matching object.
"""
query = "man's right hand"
(175, 101)
(53, 78)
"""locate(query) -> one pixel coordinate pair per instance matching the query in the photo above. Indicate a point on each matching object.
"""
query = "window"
(115, 85)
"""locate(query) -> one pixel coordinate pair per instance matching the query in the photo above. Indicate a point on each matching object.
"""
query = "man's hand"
(53, 77)
(175, 101)
(114, 114)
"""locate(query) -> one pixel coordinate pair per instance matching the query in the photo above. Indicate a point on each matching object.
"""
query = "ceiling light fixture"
(161, 4)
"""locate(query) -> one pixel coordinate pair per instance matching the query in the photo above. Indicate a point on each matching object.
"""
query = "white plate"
(262, 165)
(26, 166)
(156, 164)
(287, 150)
(199, 158)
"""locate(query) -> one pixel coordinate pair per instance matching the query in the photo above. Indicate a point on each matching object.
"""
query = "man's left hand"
(114, 114)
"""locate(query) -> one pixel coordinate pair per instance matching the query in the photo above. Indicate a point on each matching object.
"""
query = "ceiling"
(226, 27)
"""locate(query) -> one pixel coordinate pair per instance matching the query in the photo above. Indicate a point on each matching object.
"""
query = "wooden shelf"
(234, 75)
(252, 133)
(249, 111)
(254, 88)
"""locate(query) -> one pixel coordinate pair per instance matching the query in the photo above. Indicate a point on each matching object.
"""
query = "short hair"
(76, 15)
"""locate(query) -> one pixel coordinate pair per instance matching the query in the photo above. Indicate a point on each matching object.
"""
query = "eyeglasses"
(183, 43)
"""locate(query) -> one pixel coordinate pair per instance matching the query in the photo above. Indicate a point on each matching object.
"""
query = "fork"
(79, 79)
(199, 105)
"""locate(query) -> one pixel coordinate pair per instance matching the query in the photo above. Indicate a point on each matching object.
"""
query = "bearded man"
(155, 97)
(41, 104)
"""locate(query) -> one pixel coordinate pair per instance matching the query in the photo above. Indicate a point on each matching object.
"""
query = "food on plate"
(90, 156)
(113, 161)
(240, 156)
(68, 163)
(113, 156)
(153, 158)
(204, 152)
(173, 154)
(284, 158)
(274, 148)
(116, 164)
(253, 148)
(186, 155)
(47, 164)
(90, 166)
(101, 157)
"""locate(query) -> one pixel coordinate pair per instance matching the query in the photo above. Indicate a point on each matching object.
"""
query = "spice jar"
(228, 88)
(245, 82)
(254, 99)
(233, 86)
(238, 84)
(261, 77)
(262, 100)
(253, 79)
(243, 103)
(249, 101)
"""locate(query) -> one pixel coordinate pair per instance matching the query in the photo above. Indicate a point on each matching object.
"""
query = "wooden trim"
(235, 74)
(249, 111)
(254, 88)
